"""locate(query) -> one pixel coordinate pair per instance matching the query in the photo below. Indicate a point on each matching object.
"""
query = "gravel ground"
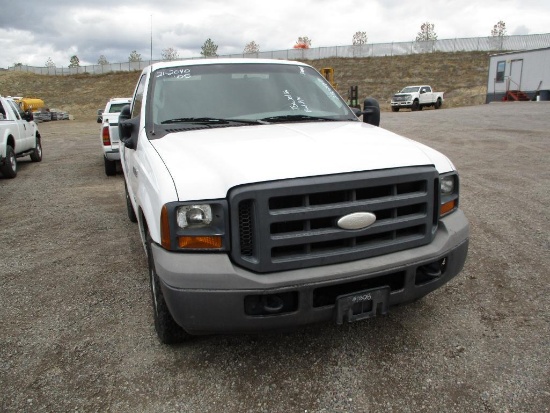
(76, 318)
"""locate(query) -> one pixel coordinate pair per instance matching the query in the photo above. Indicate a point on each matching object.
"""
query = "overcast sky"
(32, 31)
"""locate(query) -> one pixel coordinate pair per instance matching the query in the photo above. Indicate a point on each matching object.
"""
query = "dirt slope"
(461, 75)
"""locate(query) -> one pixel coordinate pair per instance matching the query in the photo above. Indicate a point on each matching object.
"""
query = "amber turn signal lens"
(200, 242)
(164, 228)
(447, 207)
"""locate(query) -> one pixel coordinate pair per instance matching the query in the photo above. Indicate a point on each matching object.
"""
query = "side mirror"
(99, 115)
(126, 128)
(371, 112)
(28, 116)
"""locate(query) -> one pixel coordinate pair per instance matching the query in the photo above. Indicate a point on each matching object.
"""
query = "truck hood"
(205, 164)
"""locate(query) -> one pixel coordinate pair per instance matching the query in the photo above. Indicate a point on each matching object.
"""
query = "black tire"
(110, 167)
(394, 109)
(9, 169)
(415, 106)
(168, 331)
(129, 207)
(437, 104)
(420, 107)
(36, 155)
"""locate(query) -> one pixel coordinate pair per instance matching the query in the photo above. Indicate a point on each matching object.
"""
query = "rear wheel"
(36, 155)
(437, 103)
(110, 167)
(9, 169)
(168, 331)
(394, 109)
(415, 106)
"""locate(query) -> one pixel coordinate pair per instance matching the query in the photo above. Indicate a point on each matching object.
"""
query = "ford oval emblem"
(357, 220)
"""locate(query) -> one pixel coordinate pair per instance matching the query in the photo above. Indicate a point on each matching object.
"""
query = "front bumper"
(402, 104)
(207, 293)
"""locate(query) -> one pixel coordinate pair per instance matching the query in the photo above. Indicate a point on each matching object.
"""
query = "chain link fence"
(494, 44)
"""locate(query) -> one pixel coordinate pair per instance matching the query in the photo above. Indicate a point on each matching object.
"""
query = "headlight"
(193, 226)
(194, 216)
(447, 185)
(448, 192)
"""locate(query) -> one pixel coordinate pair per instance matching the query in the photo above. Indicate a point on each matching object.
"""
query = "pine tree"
(209, 48)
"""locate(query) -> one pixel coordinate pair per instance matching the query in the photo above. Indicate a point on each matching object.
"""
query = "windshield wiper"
(297, 118)
(213, 121)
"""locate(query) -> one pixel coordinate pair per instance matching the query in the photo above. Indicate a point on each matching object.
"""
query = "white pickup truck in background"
(19, 137)
(415, 98)
(108, 117)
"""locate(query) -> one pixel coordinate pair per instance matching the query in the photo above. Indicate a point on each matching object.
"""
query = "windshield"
(410, 89)
(243, 93)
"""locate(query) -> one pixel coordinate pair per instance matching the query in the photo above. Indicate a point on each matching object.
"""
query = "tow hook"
(430, 271)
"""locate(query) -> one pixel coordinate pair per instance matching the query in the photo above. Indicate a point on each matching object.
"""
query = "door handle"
(134, 170)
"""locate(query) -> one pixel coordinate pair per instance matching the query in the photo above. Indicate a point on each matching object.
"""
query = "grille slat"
(292, 224)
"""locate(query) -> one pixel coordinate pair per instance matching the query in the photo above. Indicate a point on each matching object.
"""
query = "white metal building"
(519, 75)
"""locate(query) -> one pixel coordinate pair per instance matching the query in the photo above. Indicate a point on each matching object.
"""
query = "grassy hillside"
(81, 95)
(461, 75)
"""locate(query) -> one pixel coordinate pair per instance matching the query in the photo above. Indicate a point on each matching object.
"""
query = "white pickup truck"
(416, 97)
(19, 137)
(263, 202)
(110, 142)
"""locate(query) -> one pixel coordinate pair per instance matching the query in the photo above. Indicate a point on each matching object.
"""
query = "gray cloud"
(32, 31)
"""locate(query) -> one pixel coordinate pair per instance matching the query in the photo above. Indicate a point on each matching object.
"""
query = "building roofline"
(519, 51)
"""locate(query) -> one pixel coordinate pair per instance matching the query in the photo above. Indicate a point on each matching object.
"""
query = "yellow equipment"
(32, 104)
(328, 73)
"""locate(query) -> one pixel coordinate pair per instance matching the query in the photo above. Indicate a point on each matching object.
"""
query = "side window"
(2, 111)
(428, 89)
(16, 109)
(138, 98)
(501, 66)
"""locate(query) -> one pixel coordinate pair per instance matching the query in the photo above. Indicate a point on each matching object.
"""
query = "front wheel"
(36, 155)
(394, 109)
(437, 104)
(168, 331)
(9, 169)
(415, 106)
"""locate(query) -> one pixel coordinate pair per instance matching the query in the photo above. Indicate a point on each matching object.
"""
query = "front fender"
(155, 187)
